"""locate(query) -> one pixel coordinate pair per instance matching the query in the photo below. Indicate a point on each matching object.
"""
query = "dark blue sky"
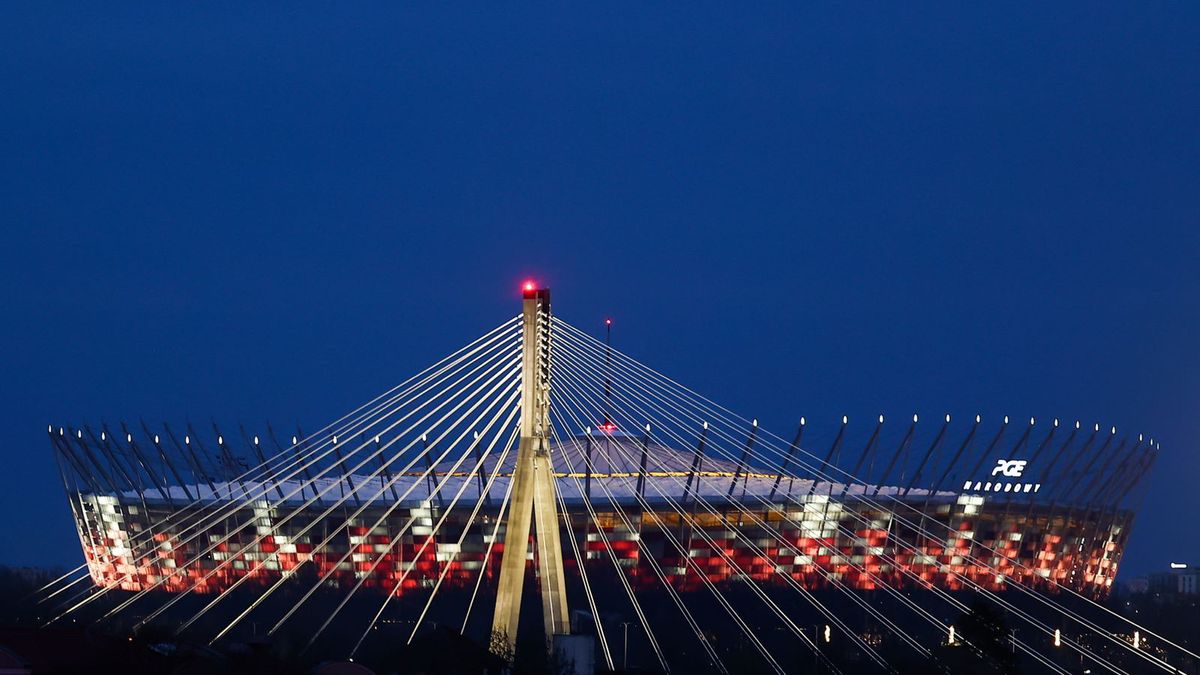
(278, 212)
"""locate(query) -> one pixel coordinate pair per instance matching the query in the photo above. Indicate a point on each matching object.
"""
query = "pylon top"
(530, 290)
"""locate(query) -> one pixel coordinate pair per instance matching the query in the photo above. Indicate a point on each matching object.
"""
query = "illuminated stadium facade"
(134, 499)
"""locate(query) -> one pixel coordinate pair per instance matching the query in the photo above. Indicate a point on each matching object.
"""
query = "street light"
(625, 648)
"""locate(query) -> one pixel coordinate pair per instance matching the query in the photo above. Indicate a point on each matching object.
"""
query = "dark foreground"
(84, 645)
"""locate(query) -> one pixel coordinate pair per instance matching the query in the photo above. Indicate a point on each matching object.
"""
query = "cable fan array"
(744, 537)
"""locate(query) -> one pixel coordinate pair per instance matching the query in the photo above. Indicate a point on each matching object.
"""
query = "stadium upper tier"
(611, 457)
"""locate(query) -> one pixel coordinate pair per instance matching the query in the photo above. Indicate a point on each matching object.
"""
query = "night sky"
(275, 213)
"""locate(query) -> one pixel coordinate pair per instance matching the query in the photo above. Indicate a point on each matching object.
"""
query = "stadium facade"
(956, 512)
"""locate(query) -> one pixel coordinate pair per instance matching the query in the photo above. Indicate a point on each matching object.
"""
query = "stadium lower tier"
(951, 542)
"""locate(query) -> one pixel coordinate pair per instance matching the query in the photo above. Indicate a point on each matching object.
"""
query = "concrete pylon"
(533, 501)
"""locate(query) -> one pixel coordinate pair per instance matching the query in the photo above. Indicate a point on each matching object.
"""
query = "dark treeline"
(984, 636)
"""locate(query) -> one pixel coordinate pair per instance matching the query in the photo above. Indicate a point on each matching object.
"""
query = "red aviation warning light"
(530, 289)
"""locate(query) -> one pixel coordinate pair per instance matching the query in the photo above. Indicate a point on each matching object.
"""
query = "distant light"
(647, 427)
(60, 431)
(827, 633)
(49, 428)
(295, 440)
(845, 419)
(1057, 637)
(377, 439)
(914, 418)
(128, 438)
(1055, 421)
(1139, 438)
(881, 419)
(753, 422)
(587, 430)
(706, 423)
(978, 419)
(801, 421)
(951, 641)
(1006, 419)
(1137, 639)
(220, 440)
(335, 439)
(1031, 421)
(156, 439)
(1076, 424)
(424, 437)
(608, 322)
(1114, 430)
(79, 434)
(103, 435)
(1179, 566)
(529, 287)
(256, 440)
(187, 440)
(947, 418)
(474, 435)
(1097, 426)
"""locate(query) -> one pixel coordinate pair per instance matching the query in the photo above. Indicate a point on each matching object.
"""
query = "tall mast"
(534, 501)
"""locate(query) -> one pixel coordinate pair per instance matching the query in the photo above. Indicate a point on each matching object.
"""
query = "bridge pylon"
(534, 501)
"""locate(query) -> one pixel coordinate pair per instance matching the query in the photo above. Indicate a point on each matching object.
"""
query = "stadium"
(1069, 526)
(629, 497)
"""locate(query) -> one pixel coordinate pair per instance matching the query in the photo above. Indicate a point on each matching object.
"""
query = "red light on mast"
(529, 287)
